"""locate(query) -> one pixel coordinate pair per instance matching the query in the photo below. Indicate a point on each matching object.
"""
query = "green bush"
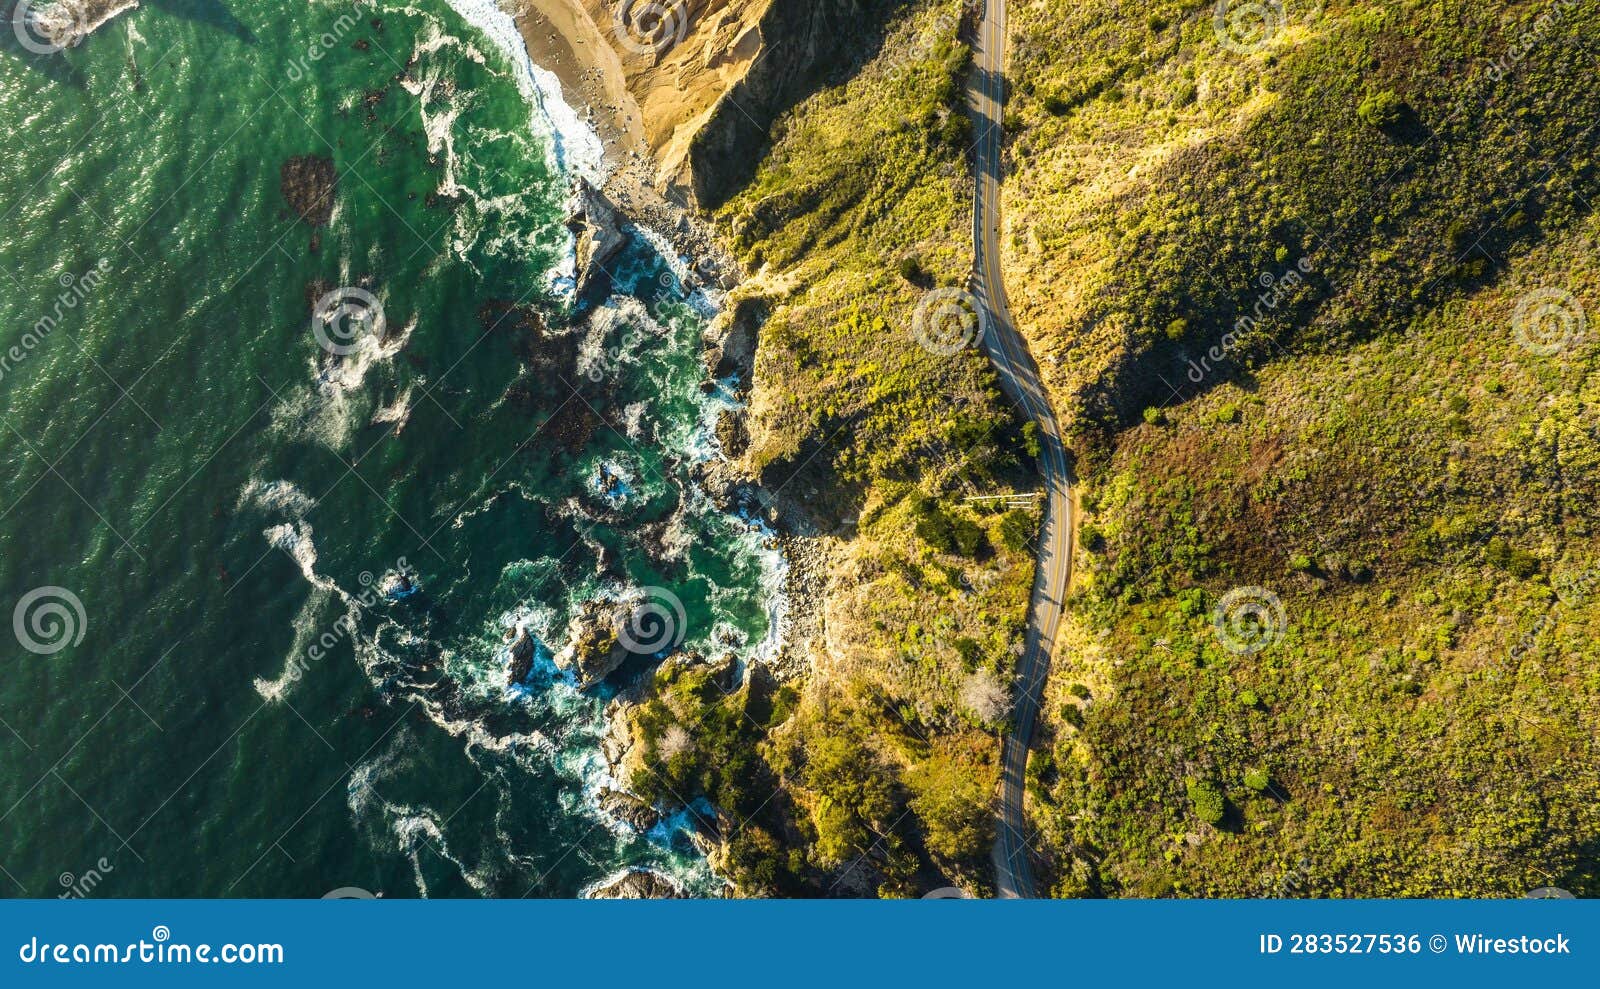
(1381, 109)
(1206, 800)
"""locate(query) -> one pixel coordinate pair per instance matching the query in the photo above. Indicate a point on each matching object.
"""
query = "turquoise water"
(239, 708)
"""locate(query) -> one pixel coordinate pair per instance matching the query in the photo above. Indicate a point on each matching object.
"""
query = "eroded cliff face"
(795, 43)
(696, 83)
(681, 59)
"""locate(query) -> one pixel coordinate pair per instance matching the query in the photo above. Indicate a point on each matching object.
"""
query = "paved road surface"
(1019, 376)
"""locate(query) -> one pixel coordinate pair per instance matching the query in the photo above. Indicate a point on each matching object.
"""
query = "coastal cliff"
(819, 148)
(689, 87)
(1224, 308)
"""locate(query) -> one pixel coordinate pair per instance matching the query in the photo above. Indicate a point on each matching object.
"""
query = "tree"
(1207, 801)
(952, 801)
(1382, 109)
(840, 836)
(985, 698)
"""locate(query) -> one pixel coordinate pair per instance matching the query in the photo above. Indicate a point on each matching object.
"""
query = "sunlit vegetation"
(874, 772)
(1362, 434)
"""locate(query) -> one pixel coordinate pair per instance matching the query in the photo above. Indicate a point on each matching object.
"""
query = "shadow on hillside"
(819, 43)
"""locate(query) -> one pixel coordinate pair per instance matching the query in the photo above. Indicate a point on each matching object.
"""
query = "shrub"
(1016, 528)
(1517, 562)
(1206, 800)
(1091, 538)
(953, 803)
(911, 270)
(1381, 109)
(1257, 779)
(1030, 439)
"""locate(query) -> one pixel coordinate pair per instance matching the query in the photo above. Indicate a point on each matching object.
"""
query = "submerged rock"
(307, 183)
(396, 586)
(639, 884)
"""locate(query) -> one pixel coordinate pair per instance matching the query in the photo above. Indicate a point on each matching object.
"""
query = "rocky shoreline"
(66, 23)
(593, 85)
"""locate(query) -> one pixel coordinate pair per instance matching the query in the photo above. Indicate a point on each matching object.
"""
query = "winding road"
(1019, 377)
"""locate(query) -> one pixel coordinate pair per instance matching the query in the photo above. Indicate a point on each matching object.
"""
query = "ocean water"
(216, 683)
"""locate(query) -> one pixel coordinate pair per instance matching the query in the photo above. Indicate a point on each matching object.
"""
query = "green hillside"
(1317, 303)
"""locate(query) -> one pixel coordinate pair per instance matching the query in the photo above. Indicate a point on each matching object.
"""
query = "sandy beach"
(563, 38)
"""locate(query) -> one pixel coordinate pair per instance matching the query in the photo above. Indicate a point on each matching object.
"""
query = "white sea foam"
(575, 147)
(275, 496)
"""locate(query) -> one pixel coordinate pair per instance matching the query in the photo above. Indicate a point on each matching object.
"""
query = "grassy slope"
(875, 772)
(1378, 450)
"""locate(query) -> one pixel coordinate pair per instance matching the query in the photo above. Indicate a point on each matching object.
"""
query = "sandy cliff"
(687, 87)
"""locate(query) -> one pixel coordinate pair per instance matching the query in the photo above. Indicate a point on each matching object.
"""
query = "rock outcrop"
(639, 884)
(65, 23)
(593, 650)
(629, 809)
(521, 651)
(598, 233)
